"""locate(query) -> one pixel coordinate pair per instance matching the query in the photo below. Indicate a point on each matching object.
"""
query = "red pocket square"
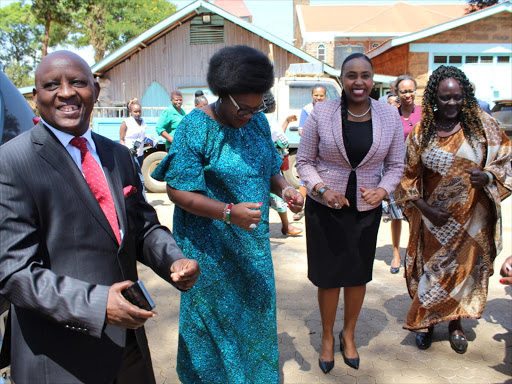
(129, 190)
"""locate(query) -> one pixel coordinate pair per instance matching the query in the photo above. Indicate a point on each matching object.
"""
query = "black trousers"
(135, 369)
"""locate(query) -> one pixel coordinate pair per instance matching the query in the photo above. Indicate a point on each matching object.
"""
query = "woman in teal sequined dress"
(223, 153)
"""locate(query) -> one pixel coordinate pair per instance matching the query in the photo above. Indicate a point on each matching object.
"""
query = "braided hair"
(469, 115)
(344, 107)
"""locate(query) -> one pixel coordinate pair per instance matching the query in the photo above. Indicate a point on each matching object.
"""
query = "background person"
(482, 104)
(73, 224)
(281, 142)
(410, 114)
(391, 94)
(170, 119)
(200, 101)
(220, 172)
(133, 129)
(341, 163)
(318, 94)
(457, 173)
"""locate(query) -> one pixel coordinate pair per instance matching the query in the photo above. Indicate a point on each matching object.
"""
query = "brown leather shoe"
(292, 232)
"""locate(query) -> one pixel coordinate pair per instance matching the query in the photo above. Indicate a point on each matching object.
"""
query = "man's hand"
(478, 178)
(184, 272)
(122, 313)
(373, 196)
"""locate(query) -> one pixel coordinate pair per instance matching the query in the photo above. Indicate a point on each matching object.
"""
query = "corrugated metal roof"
(373, 20)
(193, 9)
(505, 6)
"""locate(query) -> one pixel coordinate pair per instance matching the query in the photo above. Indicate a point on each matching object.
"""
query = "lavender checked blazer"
(322, 157)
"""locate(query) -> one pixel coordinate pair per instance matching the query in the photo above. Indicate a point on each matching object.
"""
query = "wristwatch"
(322, 190)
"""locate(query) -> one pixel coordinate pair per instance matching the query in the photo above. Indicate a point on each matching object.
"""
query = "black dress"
(341, 242)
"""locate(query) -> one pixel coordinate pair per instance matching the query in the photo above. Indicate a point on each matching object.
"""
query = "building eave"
(472, 17)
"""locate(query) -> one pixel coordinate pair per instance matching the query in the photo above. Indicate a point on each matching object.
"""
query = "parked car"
(16, 117)
(502, 111)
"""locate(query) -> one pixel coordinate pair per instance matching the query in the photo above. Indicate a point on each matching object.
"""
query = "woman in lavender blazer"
(345, 145)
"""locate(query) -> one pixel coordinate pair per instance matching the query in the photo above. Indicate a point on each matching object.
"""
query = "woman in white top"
(133, 129)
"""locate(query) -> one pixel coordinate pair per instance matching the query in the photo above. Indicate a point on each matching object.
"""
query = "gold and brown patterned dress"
(447, 268)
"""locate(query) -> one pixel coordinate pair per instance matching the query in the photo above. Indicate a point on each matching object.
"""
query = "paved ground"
(388, 352)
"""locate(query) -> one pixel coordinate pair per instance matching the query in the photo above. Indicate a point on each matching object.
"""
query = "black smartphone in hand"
(138, 296)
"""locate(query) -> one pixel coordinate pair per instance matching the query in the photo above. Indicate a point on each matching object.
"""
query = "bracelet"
(283, 191)
(491, 178)
(226, 213)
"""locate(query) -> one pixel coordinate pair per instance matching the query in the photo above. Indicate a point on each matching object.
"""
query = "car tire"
(291, 175)
(148, 166)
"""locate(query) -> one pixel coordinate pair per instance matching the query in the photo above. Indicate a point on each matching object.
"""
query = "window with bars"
(503, 59)
(440, 59)
(207, 31)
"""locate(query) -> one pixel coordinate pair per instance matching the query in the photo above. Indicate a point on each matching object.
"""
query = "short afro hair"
(239, 69)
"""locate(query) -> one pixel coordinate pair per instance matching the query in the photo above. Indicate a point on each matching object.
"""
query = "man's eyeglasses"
(406, 91)
(242, 112)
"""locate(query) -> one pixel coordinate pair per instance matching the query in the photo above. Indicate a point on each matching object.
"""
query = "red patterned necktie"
(96, 180)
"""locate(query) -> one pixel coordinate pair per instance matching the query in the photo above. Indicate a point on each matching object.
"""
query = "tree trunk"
(96, 24)
(46, 39)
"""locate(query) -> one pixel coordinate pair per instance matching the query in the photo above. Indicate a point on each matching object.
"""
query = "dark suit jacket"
(59, 255)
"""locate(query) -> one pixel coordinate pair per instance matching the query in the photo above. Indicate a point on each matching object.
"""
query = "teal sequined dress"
(228, 332)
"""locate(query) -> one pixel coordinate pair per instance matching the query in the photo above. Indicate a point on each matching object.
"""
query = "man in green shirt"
(170, 119)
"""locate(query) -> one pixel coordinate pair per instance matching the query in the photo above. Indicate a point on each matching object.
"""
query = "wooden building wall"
(174, 63)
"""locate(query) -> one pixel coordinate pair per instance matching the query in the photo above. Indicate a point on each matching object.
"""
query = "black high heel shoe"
(353, 363)
(327, 366)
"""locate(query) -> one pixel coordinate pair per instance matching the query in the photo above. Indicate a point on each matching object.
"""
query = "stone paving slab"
(388, 352)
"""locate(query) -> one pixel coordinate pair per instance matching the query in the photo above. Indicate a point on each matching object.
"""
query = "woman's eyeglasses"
(406, 91)
(241, 112)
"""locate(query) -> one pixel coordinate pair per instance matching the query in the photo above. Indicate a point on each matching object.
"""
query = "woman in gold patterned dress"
(457, 173)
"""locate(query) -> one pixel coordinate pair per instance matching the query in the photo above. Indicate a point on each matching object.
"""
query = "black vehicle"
(16, 117)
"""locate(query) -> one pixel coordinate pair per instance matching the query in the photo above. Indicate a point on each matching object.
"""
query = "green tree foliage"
(107, 25)
(477, 5)
(20, 41)
(49, 12)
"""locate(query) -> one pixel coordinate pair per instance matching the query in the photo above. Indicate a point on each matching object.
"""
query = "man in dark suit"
(73, 222)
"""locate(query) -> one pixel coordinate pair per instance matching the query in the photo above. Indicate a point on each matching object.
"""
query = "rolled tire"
(148, 166)
(291, 175)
